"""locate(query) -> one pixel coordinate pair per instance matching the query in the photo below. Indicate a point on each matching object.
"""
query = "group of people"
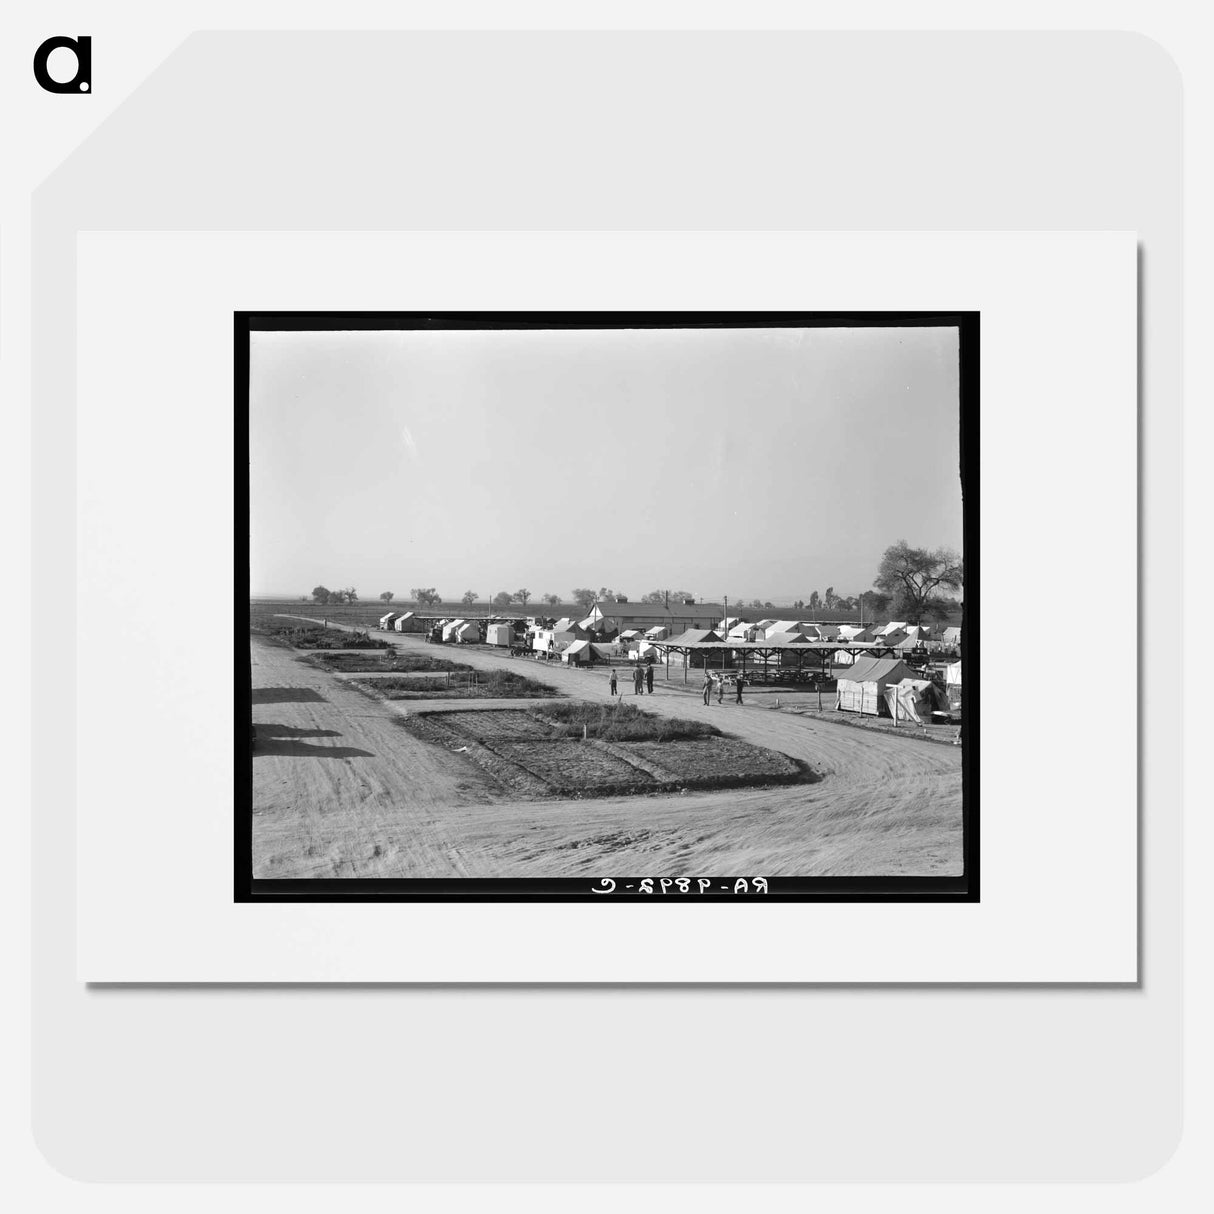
(642, 680)
(719, 679)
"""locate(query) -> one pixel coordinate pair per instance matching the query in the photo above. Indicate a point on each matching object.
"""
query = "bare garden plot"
(390, 661)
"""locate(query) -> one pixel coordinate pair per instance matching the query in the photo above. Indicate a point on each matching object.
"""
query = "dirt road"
(341, 790)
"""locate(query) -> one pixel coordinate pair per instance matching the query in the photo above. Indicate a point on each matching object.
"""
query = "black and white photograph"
(607, 606)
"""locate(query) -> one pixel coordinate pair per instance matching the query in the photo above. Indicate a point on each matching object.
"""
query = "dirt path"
(341, 790)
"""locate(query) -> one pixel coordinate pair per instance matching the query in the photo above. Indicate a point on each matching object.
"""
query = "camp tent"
(861, 688)
(891, 628)
(385, 621)
(468, 633)
(499, 634)
(783, 626)
(630, 634)
(449, 628)
(854, 634)
(696, 636)
(914, 700)
(728, 623)
(842, 658)
(743, 632)
(952, 674)
(577, 653)
(605, 651)
(407, 622)
(657, 633)
(594, 619)
(952, 636)
(644, 652)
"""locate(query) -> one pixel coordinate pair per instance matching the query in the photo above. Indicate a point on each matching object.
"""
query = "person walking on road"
(649, 678)
(615, 691)
(720, 686)
(738, 684)
(707, 685)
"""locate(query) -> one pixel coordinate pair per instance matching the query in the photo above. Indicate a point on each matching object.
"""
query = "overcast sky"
(753, 463)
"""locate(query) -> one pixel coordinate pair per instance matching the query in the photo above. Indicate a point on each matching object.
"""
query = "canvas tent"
(952, 674)
(696, 636)
(743, 632)
(449, 628)
(914, 700)
(861, 688)
(499, 634)
(468, 633)
(407, 622)
(385, 621)
(783, 626)
(854, 634)
(658, 633)
(728, 623)
(577, 653)
(952, 636)
(630, 634)
(891, 628)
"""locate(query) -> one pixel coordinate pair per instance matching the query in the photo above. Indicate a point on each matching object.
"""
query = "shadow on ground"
(292, 731)
(306, 750)
(287, 695)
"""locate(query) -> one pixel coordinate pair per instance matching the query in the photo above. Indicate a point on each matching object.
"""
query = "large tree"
(503, 599)
(425, 596)
(322, 594)
(914, 577)
(522, 595)
(553, 600)
(469, 598)
(387, 596)
(583, 596)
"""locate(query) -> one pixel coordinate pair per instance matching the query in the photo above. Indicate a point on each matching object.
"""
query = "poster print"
(607, 607)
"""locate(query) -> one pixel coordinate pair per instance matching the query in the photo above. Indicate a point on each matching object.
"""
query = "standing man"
(739, 683)
(615, 691)
(649, 677)
(638, 679)
(707, 684)
(721, 687)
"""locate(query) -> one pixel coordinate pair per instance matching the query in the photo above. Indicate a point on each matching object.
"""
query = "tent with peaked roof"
(659, 632)
(696, 636)
(468, 633)
(915, 700)
(385, 621)
(744, 632)
(730, 621)
(449, 629)
(407, 622)
(890, 628)
(577, 653)
(861, 688)
(855, 634)
(783, 626)
(952, 636)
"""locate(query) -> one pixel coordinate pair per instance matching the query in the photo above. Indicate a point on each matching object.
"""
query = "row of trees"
(322, 594)
(911, 584)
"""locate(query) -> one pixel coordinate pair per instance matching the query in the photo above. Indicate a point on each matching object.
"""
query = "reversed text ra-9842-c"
(682, 885)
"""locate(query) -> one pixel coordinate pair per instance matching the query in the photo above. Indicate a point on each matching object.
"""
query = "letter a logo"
(82, 81)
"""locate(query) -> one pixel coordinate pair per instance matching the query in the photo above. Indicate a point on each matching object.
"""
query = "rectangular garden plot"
(574, 767)
(492, 726)
(715, 762)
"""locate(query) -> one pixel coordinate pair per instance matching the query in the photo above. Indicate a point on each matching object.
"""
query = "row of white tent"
(897, 632)
(889, 687)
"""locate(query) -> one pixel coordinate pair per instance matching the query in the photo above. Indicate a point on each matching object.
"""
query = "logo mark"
(82, 81)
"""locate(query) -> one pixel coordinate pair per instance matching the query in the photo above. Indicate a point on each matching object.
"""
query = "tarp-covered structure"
(862, 688)
(385, 621)
(499, 634)
(468, 633)
(408, 622)
(914, 700)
